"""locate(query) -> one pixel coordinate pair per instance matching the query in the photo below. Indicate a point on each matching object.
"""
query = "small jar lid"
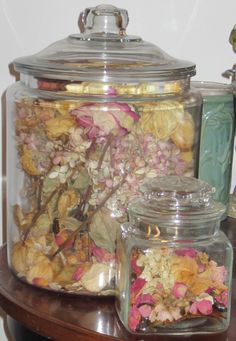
(104, 52)
(176, 199)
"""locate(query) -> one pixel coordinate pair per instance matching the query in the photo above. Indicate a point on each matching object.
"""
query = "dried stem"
(109, 139)
(89, 219)
(81, 208)
(44, 207)
(37, 215)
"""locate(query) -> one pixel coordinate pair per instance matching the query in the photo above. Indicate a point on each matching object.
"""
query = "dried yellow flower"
(161, 119)
(183, 136)
(28, 163)
(59, 126)
(42, 269)
(184, 269)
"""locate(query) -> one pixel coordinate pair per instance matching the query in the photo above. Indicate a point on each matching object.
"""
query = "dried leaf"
(67, 200)
(49, 185)
(98, 277)
(82, 181)
(103, 229)
(71, 223)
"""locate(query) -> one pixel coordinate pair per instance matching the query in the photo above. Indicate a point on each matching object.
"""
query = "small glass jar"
(174, 267)
(92, 117)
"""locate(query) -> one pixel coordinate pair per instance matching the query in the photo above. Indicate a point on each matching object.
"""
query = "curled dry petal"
(97, 277)
(135, 268)
(28, 162)
(81, 270)
(134, 318)
(218, 273)
(106, 118)
(145, 299)
(136, 286)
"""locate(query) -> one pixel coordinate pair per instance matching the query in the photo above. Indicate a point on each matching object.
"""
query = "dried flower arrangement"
(82, 163)
(171, 285)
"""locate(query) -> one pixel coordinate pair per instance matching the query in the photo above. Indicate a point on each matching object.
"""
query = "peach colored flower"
(179, 290)
(185, 270)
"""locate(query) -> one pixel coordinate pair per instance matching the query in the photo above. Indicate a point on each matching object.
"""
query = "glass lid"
(104, 52)
(176, 198)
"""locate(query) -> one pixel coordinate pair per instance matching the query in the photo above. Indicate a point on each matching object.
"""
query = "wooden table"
(71, 318)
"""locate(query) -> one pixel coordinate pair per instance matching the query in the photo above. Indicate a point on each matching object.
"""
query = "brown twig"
(38, 214)
(44, 207)
(109, 139)
(89, 219)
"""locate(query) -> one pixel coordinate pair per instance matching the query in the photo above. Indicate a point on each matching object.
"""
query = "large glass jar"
(91, 118)
(174, 266)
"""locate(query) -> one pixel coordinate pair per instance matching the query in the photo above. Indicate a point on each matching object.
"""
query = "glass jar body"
(77, 153)
(174, 288)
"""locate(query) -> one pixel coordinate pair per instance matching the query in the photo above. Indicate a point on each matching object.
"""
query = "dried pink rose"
(145, 299)
(136, 286)
(204, 307)
(145, 310)
(102, 119)
(134, 318)
(223, 298)
(186, 251)
(179, 290)
(218, 273)
(193, 308)
(135, 268)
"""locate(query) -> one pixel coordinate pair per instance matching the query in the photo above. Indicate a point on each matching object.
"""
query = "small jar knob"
(104, 19)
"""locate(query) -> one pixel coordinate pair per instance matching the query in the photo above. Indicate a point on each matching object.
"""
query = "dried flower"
(106, 118)
(179, 290)
(59, 126)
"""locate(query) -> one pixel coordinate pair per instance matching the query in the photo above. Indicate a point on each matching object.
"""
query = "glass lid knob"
(104, 19)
